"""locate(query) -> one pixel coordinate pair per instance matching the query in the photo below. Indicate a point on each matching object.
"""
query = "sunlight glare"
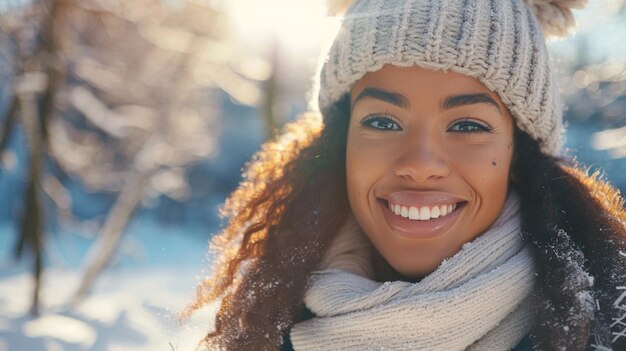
(298, 26)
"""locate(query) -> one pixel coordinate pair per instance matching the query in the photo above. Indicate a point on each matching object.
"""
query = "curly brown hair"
(282, 217)
(293, 200)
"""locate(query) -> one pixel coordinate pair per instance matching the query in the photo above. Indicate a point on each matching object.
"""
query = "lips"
(421, 215)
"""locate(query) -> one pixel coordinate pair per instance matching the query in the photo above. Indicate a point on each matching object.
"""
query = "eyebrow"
(384, 95)
(449, 102)
(469, 99)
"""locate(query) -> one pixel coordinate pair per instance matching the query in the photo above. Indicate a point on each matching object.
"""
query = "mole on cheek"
(493, 163)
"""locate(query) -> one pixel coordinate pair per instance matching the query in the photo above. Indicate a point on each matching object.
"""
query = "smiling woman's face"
(427, 163)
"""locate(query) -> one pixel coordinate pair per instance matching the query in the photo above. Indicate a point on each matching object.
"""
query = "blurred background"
(125, 124)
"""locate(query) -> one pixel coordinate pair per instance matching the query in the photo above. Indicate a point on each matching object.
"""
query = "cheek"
(357, 171)
(488, 166)
(366, 164)
(486, 171)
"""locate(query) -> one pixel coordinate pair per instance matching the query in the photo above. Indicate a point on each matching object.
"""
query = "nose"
(423, 158)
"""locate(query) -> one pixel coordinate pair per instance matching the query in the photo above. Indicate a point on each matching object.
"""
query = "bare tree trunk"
(31, 227)
(271, 92)
(36, 90)
(9, 121)
(144, 167)
(117, 219)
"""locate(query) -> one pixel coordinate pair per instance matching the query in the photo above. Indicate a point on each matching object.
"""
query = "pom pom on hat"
(555, 16)
(337, 7)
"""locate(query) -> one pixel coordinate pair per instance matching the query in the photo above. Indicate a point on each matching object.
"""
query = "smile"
(422, 220)
(423, 213)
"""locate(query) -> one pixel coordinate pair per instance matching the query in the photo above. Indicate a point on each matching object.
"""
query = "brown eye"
(381, 123)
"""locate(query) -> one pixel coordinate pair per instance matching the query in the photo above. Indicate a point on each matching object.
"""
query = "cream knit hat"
(498, 42)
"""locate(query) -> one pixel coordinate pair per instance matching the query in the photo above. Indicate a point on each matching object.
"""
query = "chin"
(413, 271)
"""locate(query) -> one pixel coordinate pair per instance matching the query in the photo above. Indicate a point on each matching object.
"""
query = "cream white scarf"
(478, 299)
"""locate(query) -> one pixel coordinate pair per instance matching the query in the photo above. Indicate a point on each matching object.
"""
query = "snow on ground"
(130, 310)
(132, 306)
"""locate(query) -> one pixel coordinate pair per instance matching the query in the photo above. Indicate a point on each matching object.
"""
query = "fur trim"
(337, 7)
(555, 16)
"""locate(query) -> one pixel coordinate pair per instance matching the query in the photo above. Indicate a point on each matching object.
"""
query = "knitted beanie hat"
(498, 42)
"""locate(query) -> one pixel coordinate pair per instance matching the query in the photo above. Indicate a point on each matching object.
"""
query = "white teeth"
(434, 212)
(405, 212)
(414, 213)
(423, 213)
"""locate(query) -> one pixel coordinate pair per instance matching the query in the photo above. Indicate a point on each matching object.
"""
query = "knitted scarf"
(478, 299)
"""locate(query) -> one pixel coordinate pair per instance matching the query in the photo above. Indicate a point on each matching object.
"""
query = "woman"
(430, 208)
